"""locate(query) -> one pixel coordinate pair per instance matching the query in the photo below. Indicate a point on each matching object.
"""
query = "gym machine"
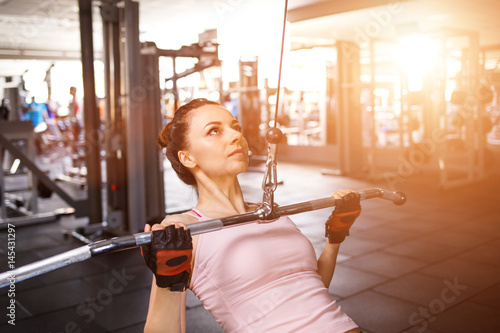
(429, 129)
(16, 131)
(464, 157)
(344, 111)
(39, 183)
(391, 120)
(490, 58)
(249, 108)
(17, 150)
(268, 211)
(135, 191)
(134, 188)
(206, 51)
(344, 116)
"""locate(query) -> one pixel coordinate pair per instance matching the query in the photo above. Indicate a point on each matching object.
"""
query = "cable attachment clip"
(270, 181)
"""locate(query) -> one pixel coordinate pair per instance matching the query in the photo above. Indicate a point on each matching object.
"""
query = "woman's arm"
(337, 228)
(167, 311)
(327, 262)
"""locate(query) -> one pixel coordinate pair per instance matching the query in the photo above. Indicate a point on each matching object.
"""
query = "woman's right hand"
(169, 254)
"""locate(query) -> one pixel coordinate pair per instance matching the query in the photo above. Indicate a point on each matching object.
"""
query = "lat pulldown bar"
(126, 242)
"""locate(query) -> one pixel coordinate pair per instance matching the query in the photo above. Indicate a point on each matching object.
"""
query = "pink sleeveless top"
(262, 277)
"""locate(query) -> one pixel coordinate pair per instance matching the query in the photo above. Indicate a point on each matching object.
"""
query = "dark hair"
(173, 137)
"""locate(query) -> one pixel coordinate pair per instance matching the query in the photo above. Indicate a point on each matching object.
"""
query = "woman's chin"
(240, 168)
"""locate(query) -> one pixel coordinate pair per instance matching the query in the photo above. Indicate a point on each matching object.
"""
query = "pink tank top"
(262, 277)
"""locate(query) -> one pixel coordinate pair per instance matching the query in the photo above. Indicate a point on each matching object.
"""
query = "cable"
(281, 65)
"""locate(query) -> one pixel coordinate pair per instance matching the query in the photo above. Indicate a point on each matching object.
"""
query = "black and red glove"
(346, 211)
(169, 257)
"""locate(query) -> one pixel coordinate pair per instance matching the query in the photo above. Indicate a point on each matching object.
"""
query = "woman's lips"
(236, 152)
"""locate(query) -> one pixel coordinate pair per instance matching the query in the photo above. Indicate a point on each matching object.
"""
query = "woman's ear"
(186, 159)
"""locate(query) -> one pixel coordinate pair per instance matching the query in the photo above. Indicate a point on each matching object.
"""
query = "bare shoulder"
(182, 218)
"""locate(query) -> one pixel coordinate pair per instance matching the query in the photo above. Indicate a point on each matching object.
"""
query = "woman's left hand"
(346, 211)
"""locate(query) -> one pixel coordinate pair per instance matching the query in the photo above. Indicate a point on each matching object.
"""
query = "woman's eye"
(213, 131)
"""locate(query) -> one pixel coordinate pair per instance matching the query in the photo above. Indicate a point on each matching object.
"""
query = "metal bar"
(32, 180)
(191, 51)
(372, 157)
(174, 83)
(91, 114)
(28, 219)
(114, 135)
(36, 218)
(152, 118)
(3, 208)
(134, 119)
(197, 68)
(45, 266)
(11, 54)
(487, 48)
(131, 241)
(314, 9)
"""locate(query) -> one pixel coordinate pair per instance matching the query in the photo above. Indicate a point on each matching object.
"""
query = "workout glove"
(346, 211)
(169, 257)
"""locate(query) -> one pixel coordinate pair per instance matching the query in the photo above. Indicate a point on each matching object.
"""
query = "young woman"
(257, 277)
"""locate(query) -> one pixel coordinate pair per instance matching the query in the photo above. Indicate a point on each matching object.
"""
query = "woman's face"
(216, 144)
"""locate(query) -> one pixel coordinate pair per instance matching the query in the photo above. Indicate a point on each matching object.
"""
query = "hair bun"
(165, 136)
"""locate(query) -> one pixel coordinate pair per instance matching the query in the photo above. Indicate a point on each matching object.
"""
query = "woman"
(257, 277)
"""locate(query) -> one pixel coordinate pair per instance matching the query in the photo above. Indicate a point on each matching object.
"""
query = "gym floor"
(431, 265)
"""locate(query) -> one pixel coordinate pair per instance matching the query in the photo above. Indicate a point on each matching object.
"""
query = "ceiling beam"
(326, 8)
(488, 48)
(26, 54)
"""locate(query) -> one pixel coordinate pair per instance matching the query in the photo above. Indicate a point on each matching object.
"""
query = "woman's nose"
(235, 136)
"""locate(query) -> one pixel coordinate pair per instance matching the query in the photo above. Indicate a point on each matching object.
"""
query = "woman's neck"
(220, 197)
